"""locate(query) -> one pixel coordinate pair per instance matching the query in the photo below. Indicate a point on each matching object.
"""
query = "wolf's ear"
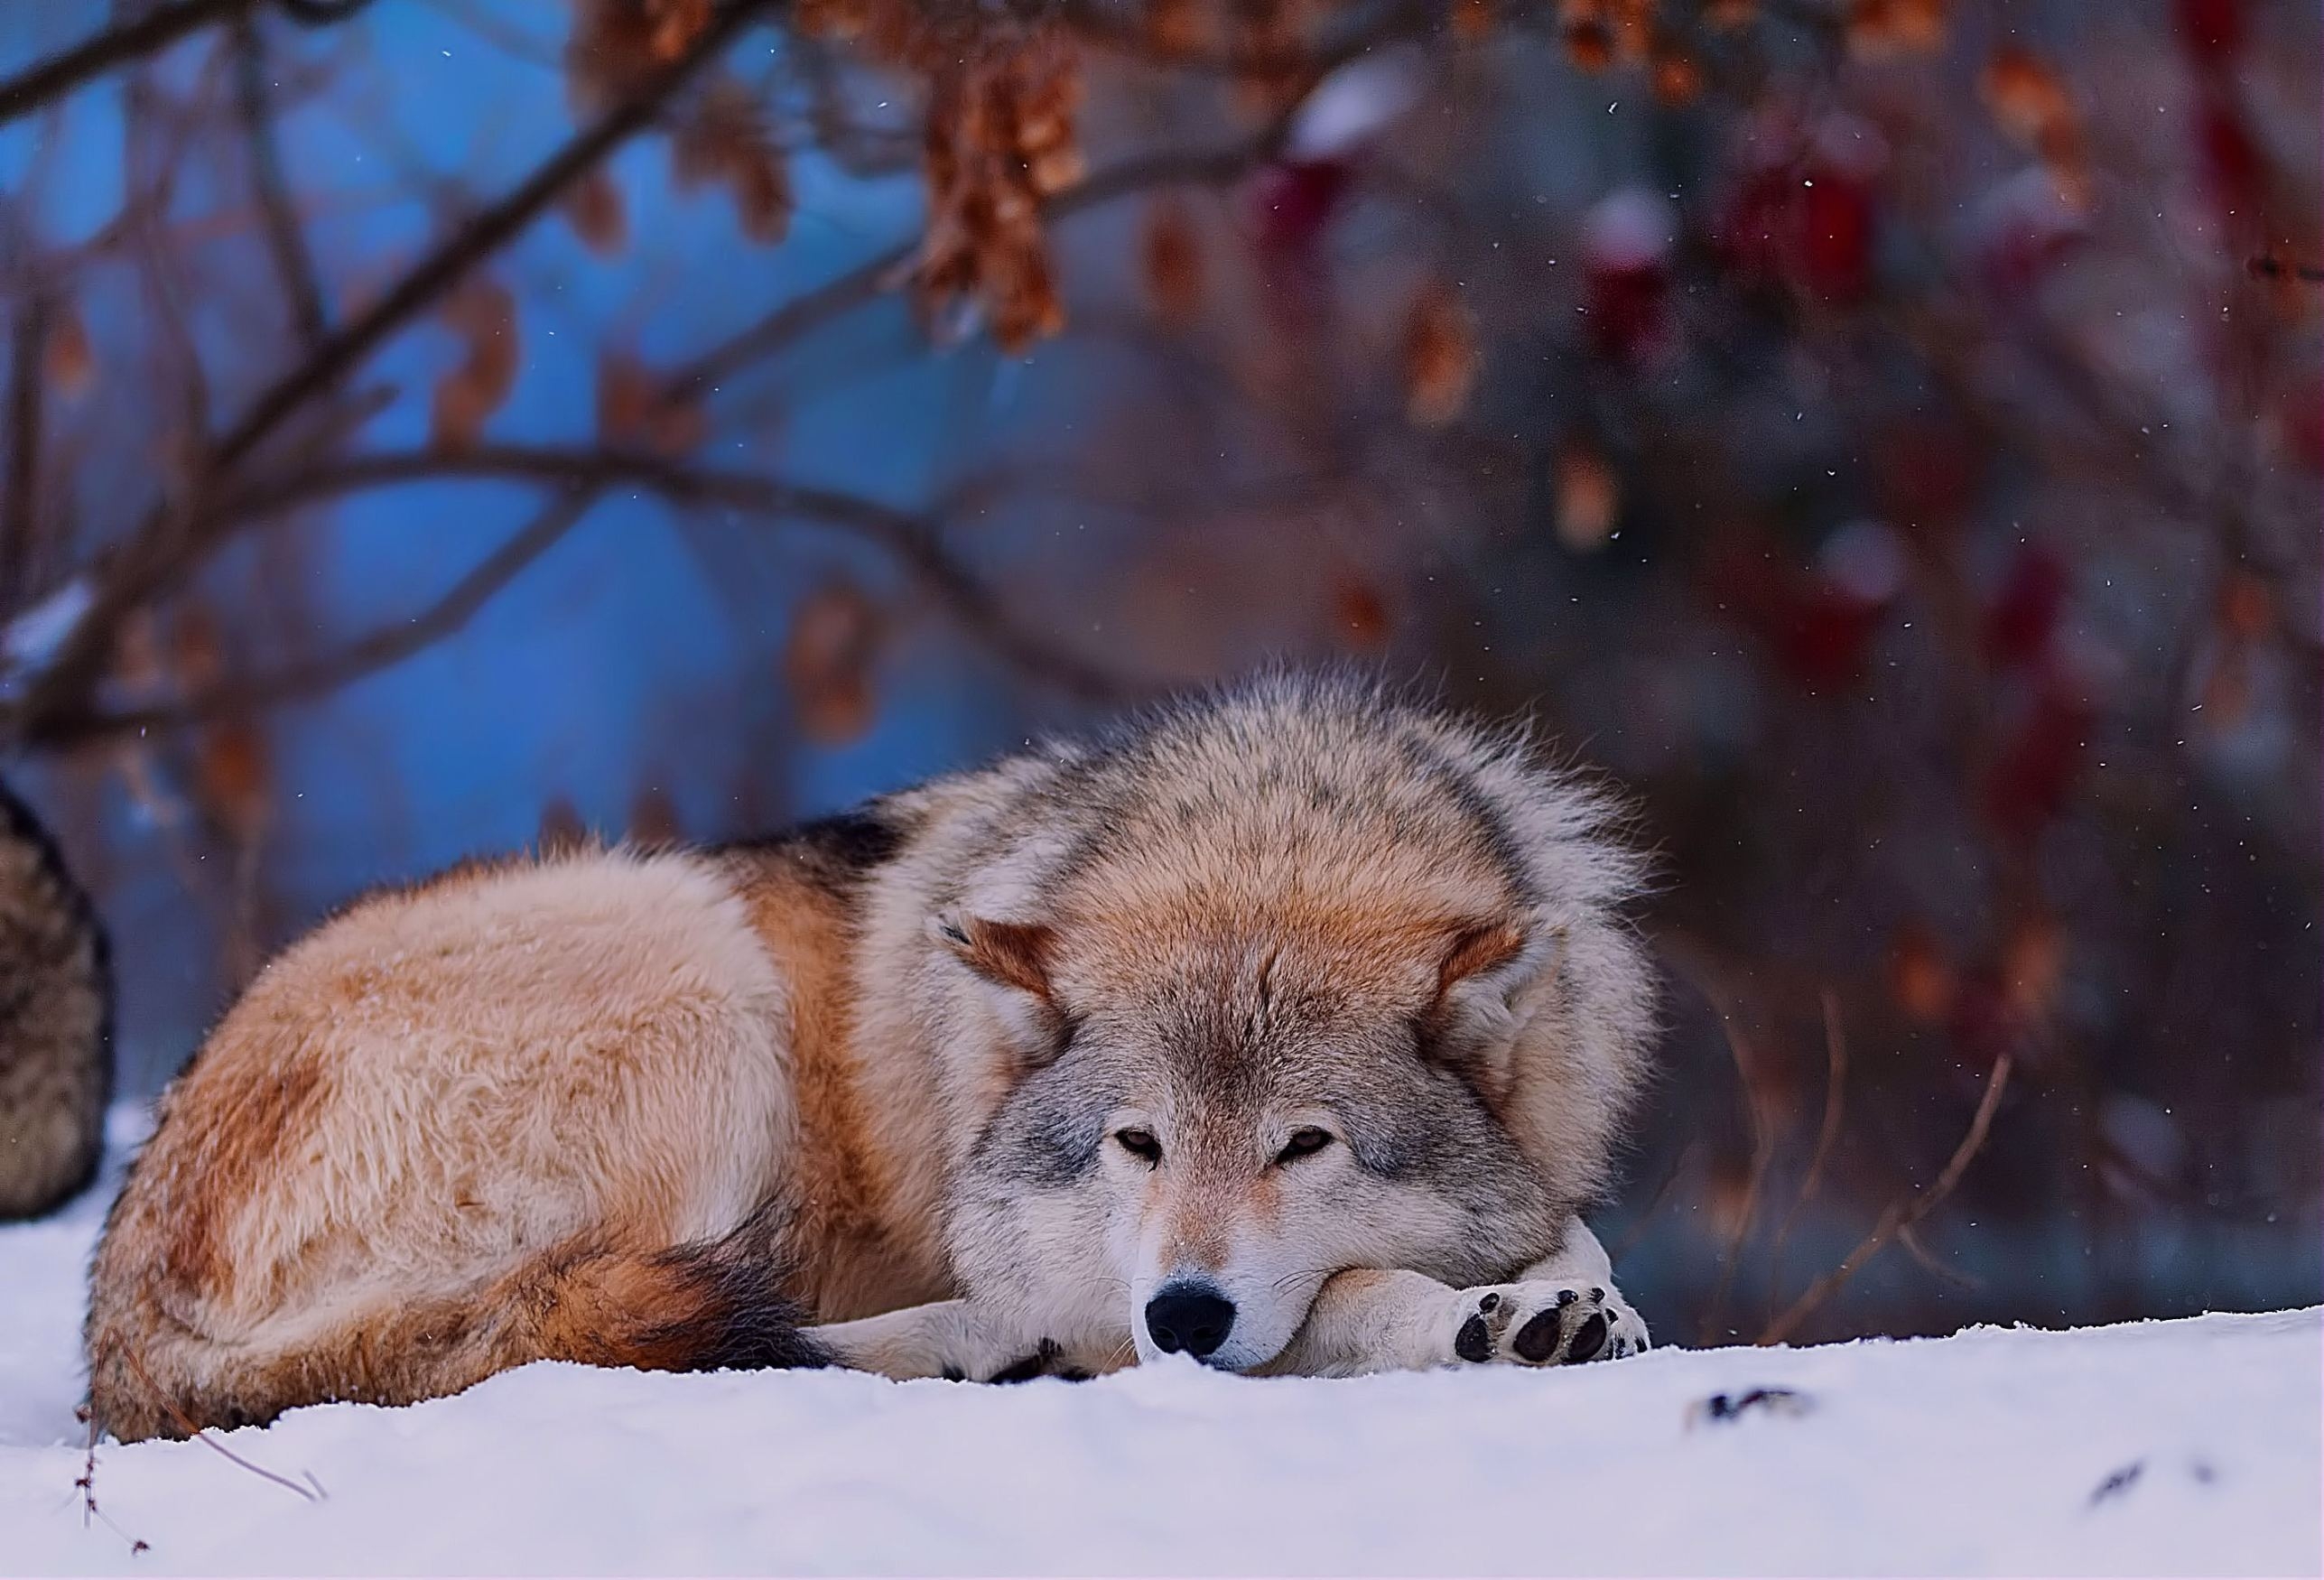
(1484, 965)
(1008, 954)
(1013, 959)
(1477, 948)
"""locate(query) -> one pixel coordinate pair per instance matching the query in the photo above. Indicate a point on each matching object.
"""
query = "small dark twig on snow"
(192, 1429)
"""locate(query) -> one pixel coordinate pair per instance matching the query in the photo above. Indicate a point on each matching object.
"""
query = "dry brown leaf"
(676, 25)
(1440, 356)
(67, 361)
(1920, 979)
(999, 138)
(1589, 500)
(635, 412)
(138, 660)
(2226, 692)
(2032, 964)
(562, 829)
(827, 659)
(1178, 27)
(1589, 45)
(1361, 613)
(233, 776)
(2026, 98)
(595, 210)
(2030, 102)
(1171, 254)
(483, 314)
(762, 191)
(609, 54)
(1677, 77)
(725, 139)
(1472, 19)
(1881, 29)
(2246, 606)
(1631, 23)
(197, 649)
(654, 818)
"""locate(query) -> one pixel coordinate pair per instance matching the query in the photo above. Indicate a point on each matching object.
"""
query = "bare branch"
(383, 648)
(1762, 1156)
(1902, 1215)
(155, 31)
(479, 239)
(321, 13)
(1836, 1084)
(280, 222)
(172, 542)
(915, 540)
(20, 493)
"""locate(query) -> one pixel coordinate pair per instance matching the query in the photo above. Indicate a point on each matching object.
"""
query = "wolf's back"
(56, 997)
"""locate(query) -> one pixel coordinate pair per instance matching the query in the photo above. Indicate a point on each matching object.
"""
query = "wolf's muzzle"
(1193, 1317)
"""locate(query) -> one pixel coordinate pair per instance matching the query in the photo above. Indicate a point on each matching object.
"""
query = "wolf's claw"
(1045, 1361)
(1543, 1324)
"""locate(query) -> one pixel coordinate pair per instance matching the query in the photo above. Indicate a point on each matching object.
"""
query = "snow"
(1986, 1452)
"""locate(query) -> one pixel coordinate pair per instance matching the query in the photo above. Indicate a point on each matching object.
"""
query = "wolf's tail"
(162, 1367)
(56, 1023)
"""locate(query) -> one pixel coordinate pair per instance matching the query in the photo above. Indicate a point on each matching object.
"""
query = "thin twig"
(2267, 266)
(149, 34)
(174, 542)
(20, 494)
(86, 1487)
(389, 644)
(1638, 1226)
(286, 241)
(1909, 1239)
(479, 239)
(1836, 1084)
(1763, 1155)
(1901, 1214)
(915, 539)
(193, 1429)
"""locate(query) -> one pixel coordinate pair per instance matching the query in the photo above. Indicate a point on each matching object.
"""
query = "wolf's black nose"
(1189, 1317)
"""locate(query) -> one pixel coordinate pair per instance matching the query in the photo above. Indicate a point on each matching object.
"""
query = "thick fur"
(56, 1021)
(967, 1077)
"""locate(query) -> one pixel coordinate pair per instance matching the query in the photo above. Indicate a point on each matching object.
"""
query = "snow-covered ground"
(2186, 1447)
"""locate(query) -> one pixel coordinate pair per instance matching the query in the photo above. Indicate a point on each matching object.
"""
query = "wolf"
(1287, 1026)
(56, 1022)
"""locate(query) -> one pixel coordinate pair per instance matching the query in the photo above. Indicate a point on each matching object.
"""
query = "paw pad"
(1536, 1340)
(1529, 1324)
(1474, 1341)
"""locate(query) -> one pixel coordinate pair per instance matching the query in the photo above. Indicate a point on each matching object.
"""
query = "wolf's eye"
(1140, 1144)
(1306, 1142)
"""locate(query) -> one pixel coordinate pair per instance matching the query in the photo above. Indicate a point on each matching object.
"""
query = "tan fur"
(616, 1106)
(421, 1100)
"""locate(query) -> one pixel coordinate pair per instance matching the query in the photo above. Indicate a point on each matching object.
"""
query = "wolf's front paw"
(1543, 1324)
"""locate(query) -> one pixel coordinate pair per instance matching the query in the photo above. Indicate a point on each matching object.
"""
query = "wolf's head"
(1209, 1127)
(1293, 985)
